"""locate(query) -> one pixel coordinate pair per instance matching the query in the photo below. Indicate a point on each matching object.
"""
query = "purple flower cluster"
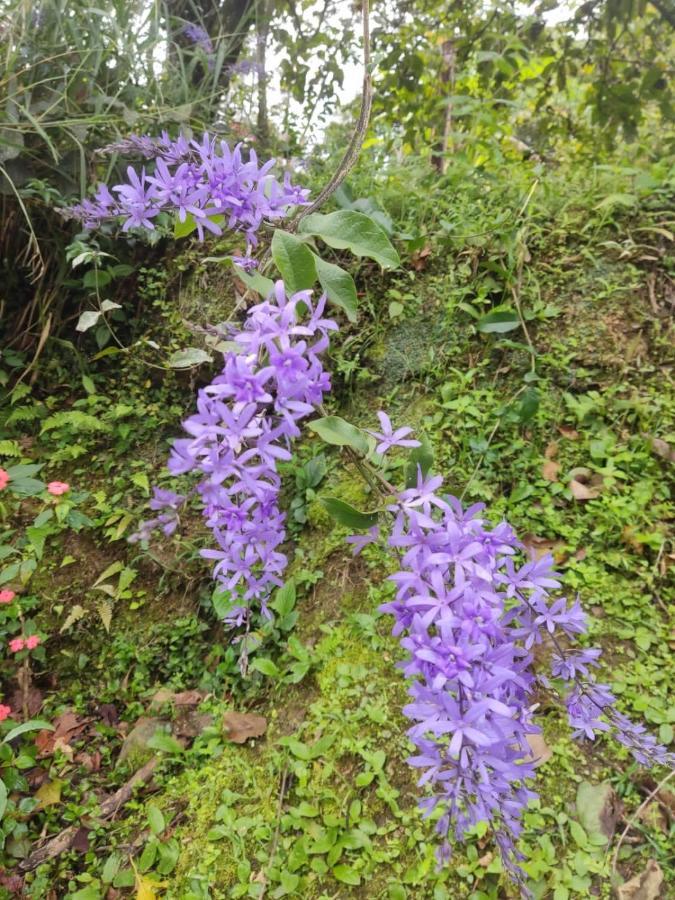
(245, 421)
(468, 616)
(205, 179)
(168, 520)
(199, 37)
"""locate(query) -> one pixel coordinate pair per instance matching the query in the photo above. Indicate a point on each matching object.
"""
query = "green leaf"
(164, 742)
(191, 356)
(528, 405)
(155, 819)
(346, 874)
(578, 834)
(31, 725)
(111, 868)
(596, 806)
(148, 856)
(347, 229)
(255, 281)
(422, 456)
(499, 321)
(349, 516)
(284, 599)
(183, 229)
(295, 261)
(26, 487)
(334, 430)
(223, 602)
(266, 666)
(75, 420)
(339, 287)
(3, 799)
(618, 199)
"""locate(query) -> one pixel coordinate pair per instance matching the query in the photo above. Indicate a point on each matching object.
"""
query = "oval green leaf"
(348, 229)
(499, 321)
(347, 515)
(191, 356)
(334, 430)
(295, 261)
(338, 285)
(32, 725)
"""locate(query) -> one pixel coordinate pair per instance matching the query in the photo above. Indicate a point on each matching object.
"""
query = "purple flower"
(247, 263)
(390, 438)
(359, 541)
(204, 179)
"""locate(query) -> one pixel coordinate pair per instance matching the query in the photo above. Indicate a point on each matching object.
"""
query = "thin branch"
(631, 821)
(352, 153)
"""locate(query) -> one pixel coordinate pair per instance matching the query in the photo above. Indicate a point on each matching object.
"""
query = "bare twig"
(275, 840)
(631, 821)
(108, 808)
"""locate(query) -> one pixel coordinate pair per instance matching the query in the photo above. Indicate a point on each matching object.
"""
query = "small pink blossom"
(6, 596)
(4, 479)
(5, 711)
(56, 488)
(32, 642)
(16, 644)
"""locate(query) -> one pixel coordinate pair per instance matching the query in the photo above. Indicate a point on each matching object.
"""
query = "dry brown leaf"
(550, 470)
(661, 448)
(536, 547)
(645, 886)
(81, 840)
(540, 752)
(67, 728)
(583, 484)
(551, 450)
(240, 727)
(33, 698)
(183, 698)
(571, 434)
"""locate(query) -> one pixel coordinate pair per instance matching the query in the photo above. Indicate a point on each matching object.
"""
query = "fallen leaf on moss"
(645, 886)
(550, 470)
(536, 547)
(584, 484)
(598, 808)
(240, 727)
(540, 752)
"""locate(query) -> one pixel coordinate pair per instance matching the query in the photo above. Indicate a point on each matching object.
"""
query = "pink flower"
(4, 479)
(32, 642)
(5, 711)
(16, 644)
(56, 488)
(6, 597)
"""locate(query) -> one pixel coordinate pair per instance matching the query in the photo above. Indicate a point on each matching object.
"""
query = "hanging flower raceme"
(205, 179)
(468, 615)
(244, 424)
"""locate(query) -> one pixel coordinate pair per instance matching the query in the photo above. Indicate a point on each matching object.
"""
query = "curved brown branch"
(352, 152)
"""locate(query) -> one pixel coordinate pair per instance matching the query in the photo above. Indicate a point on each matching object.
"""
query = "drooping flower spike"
(245, 422)
(467, 616)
